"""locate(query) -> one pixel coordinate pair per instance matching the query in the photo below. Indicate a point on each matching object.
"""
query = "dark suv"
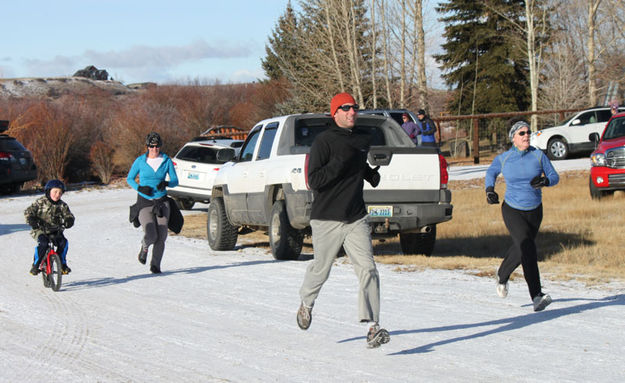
(16, 162)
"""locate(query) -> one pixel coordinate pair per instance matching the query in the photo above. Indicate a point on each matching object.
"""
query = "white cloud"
(167, 56)
(139, 62)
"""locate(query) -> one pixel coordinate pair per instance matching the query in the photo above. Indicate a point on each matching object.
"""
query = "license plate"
(193, 176)
(380, 211)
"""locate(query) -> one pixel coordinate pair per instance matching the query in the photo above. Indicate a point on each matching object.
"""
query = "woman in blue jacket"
(526, 170)
(154, 210)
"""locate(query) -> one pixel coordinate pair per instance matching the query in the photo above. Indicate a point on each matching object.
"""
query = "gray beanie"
(517, 125)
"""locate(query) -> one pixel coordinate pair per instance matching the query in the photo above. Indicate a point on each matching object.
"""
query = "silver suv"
(16, 163)
(196, 164)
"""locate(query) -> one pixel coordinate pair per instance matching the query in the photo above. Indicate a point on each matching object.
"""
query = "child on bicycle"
(48, 216)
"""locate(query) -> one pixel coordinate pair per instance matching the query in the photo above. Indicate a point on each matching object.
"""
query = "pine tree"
(322, 51)
(282, 47)
(482, 60)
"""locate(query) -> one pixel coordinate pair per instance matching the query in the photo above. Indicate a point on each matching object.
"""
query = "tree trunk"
(592, 69)
(421, 77)
(374, 93)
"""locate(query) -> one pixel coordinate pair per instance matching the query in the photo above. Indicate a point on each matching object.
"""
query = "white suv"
(196, 165)
(572, 135)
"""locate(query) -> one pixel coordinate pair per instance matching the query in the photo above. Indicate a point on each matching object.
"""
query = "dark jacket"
(176, 220)
(428, 129)
(336, 170)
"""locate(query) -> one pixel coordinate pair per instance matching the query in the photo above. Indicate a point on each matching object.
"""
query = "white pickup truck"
(265, 186)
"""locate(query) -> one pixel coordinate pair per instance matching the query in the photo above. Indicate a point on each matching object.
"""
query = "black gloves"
(69, 222)
(539, 181)
(145, 190)
(34, 223)
(491, 197)
(162, 184)
(375, 177)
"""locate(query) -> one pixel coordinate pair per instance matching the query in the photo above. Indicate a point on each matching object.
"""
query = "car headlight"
(597, 159)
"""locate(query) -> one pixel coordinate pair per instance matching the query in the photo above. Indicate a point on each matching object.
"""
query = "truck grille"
(616, 179)
(615, 158)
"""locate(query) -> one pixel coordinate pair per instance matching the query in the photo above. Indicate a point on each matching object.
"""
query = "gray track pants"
(328, 236)
(154, 232)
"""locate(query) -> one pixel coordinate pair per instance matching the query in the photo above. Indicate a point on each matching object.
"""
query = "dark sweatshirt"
(336, 169)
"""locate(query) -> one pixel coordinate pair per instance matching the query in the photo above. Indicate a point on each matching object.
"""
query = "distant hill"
(54, 87)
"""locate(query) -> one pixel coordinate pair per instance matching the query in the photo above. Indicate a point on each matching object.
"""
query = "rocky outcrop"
(92, 73)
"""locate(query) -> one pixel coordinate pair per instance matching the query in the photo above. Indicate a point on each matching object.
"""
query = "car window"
(267, 141)
(585, 118)
(615, 129)
(307, 129)
(398, 117)
(603, 115)
(199, 154)
(11, 144)
(248, 148)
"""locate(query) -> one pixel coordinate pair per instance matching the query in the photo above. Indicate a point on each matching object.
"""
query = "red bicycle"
(51, 266)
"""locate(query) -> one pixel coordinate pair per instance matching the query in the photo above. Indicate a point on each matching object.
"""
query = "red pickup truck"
(607, 172)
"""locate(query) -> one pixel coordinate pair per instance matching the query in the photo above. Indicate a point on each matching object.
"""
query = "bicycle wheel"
(56, 273)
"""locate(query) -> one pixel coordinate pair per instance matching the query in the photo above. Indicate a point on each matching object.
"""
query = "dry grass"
(579, 238)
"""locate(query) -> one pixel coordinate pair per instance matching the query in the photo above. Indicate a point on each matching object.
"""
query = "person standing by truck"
(428, 129)
(336, 173)
(526, 171)
(412, 130)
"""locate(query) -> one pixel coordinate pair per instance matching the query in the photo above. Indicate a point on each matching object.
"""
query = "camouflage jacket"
(47, 216)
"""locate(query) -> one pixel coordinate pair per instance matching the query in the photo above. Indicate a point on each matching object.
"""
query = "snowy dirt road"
(230, 316)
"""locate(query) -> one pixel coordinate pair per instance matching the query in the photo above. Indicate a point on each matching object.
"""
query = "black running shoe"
(66, 269)
(155, 270)
(34, 270)
(143, 255)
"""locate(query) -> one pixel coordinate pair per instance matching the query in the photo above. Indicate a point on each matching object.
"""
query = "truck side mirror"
(594, 137)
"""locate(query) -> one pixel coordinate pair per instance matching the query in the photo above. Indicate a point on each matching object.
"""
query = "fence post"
(476, 142)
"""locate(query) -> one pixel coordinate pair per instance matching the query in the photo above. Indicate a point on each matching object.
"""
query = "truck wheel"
(184, 204)
(221, 234)
(286, 242)
(557, 149)
(418, 243)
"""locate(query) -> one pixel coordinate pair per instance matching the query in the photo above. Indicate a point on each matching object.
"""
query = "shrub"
(45, 130)
(101, 156)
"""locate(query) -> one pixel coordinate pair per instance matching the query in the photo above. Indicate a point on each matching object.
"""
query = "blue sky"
(138, 40)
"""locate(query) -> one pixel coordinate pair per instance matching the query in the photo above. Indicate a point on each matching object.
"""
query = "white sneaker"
(304, 316)
(541, 301)
(502, 289)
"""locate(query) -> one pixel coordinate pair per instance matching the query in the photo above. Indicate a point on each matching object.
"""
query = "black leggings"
(523, 227)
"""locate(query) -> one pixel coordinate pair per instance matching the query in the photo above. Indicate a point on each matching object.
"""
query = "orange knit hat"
(340, 99)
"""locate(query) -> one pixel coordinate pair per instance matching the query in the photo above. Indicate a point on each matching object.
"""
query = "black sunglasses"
(345, 108)
(153, 146)
(524, 132)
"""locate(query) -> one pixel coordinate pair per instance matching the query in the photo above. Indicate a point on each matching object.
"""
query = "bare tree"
(373, 43)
